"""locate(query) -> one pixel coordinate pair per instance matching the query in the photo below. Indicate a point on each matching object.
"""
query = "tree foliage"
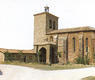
(82, 59)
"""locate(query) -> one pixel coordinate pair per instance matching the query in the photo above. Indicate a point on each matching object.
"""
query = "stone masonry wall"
(78, 43)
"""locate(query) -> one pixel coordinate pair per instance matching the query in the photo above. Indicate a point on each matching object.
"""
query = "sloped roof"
(45, 13)
(16, 51)
(3, 50)
(67, 30)
(28, 51)
(45, 43)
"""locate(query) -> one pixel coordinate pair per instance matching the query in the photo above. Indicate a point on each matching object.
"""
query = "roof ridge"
(76, 29)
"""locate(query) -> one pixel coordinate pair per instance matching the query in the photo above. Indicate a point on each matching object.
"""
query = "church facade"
(53, 45)
(67, 43)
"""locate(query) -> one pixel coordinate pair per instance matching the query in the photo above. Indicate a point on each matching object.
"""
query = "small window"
(50, 23)
(74, 44)
(86, 44)
(53, 24)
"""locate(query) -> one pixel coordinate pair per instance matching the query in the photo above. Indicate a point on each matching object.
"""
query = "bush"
(94, 57)
(59, 54)
(82, 59)
(79, 60)
(8, 56)
(20, 53)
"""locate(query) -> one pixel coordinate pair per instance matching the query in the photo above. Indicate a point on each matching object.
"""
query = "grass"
(89, 78)
(48, 67)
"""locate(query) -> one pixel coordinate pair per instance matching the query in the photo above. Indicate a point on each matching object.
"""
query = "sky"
(17, 20)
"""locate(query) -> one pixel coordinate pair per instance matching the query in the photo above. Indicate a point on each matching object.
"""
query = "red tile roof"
(16, 51)
(67, 30)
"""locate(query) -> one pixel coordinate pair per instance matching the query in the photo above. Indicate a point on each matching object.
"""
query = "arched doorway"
(42, 56)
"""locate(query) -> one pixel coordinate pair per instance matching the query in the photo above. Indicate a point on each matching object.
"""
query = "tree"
(8, 56)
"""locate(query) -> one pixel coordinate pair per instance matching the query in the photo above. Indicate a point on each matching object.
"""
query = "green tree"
(20, 53)
(8, 56)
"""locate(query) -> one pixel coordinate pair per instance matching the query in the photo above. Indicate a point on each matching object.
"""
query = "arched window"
(50, 23)
(74, 44)
(53, 24)
(86, 44)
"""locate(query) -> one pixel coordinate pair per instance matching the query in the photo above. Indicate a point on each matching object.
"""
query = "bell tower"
(46, 9)
(43, 23)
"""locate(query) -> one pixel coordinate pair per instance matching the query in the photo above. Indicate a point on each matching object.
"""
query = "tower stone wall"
(41, 26)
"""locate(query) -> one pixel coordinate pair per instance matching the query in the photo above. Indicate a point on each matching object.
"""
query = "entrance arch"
(42, 56)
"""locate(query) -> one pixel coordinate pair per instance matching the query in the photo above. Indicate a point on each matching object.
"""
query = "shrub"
(94, 57)
(39, 53)
(8, 56)
(59, 54)
(82, 59)
(79, 60)
(21, 54)
(68, 62)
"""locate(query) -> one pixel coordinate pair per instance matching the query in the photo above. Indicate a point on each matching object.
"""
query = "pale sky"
(17, 21)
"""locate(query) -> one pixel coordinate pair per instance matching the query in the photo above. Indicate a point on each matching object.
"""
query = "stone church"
(54, 45)
(70, 42)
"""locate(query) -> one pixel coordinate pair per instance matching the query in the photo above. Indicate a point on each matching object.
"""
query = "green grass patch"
(89, 78)
(48, 67)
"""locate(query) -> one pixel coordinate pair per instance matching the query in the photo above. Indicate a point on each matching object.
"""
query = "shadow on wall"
(1, 73)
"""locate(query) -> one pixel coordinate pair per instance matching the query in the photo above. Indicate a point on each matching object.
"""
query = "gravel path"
(11, 72)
